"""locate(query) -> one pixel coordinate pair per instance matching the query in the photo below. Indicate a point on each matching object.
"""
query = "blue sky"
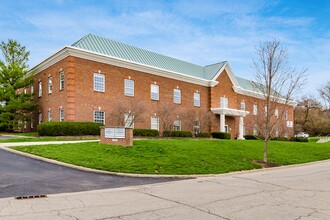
(198, 31)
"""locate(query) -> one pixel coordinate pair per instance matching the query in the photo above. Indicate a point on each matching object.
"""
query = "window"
(255, 131)
(223, 102)
(197, 99)
(177, 96)
(32, 119)
(50, 85)
(286, 134)
(177, 125)
(99, 82)
(266, 111)
(285, 114)
(40, 117)
(129, 87)
(155, 122)
(197, 128)
(32, 89)
(61, 114)
(24, 90)
(255, 109)
(61, 80)
(276, 133)
(276, 113)
(24, 124)
(129, 121)
(243, 106)
(40, 88)
(50, 115)
(154, 92)
(99, 116)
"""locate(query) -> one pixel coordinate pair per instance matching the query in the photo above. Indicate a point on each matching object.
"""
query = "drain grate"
(31, 197)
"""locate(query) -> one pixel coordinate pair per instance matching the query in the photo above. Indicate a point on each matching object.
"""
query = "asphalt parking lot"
(22, 176)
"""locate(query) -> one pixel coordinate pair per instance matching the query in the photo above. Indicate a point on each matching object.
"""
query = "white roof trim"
(230, 112)
(229, 72)
(85, 54)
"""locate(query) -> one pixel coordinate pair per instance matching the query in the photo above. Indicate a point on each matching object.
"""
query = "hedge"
(69, 128)
(250, 137)
(299, 139)
(177, 134)
(279, 139)
(220, 135)
(145, 132)
(204, 135)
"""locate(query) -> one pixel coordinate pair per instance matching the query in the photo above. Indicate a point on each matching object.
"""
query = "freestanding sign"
(117, 136)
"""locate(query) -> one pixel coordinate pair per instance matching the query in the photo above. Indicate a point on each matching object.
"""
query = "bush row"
(220, 135)
(68, 128)
(250, 137)
(145, 132)
(177, 134)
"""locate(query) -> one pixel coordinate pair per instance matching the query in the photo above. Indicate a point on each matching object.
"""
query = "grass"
(33, 137)
(179, 156)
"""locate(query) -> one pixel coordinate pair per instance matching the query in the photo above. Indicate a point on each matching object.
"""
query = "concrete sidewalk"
(14, 144)
(298, 192)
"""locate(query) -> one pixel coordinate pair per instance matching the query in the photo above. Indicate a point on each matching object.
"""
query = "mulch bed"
(265, 165)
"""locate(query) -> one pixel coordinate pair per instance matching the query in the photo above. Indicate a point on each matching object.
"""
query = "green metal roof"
(134, 54)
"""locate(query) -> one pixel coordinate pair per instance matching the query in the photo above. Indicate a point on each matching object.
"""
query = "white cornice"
(259, 95)
(230, 112)
(229, 73)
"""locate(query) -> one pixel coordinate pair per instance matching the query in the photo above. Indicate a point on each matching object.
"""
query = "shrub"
(220, 135)
(279, 139)
(145, 132)
(69, 128)
(177, 134)
(250, 137)
(299, 139)
(205, 135)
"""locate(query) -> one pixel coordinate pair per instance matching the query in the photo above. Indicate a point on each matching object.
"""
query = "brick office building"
(88, 80)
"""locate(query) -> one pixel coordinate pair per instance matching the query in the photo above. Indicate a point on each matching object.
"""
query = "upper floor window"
(177, 125)
(243, 105)
(154, 92)
(129, 87)
(50, 85)
(99, 116)
(40, 88)
(61, 114)
(61, 80)
(197, 99)
(99, 82)
(285, 114)
(255, 109)
(154, 123)
(223, 102)
(276, 113)
(129, 121)
(24, 91)
(177, 96)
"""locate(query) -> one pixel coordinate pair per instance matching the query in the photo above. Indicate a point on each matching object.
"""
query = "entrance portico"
(223, 112)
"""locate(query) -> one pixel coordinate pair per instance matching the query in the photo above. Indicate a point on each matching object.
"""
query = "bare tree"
(167, 114)
(325, 95)
(127, 113)
(277, 83)
(197, 120)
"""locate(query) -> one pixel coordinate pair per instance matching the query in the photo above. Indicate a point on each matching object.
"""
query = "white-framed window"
(129, 121)
(255, 109)
(243, 105)
(177, 96)
(61, 114)
(266, 109)
(50, 85)
(285, 114)
(255, 131)
(50, 115)
(31, 121)
(286, 134)
(129, 87)
(276, 113)
(99, 82)
(223, 102)
(32, 89)
(40, 117)
(276, 133)
(177, 125)
(154, 89)
(197, 99)
(24, 91)
(197, 127)
(24, 124)
(40, 88)
(154, 123)
(61, 80)
(99, 116)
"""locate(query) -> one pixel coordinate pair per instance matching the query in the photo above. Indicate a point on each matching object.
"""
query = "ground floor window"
(197, 128)
(129, 121)
(61, 114)
(32, 119)
(155, 122)
(99, 117)
(40, 117)
(50, 115)
(177, 125)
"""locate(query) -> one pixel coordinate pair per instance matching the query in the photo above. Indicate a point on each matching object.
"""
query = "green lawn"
(181, 156)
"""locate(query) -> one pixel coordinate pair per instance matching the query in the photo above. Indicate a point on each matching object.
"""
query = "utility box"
(117, 136)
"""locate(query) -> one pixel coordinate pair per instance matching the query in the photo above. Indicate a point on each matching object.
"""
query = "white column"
(222, 122)
(240, 128)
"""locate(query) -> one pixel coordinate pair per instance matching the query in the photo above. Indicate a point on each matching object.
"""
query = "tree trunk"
(265, 150)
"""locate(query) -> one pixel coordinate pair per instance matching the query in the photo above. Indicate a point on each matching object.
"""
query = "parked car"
(302, 135)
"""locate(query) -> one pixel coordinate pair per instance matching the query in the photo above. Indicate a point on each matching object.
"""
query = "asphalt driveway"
(22, 176)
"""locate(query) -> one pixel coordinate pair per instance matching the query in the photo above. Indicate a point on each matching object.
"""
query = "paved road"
(294, 193)
(22, 176)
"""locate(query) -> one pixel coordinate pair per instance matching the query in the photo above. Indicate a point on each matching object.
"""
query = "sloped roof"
(137, 55)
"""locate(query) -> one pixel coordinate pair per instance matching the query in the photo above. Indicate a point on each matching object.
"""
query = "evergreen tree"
(15, 106)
